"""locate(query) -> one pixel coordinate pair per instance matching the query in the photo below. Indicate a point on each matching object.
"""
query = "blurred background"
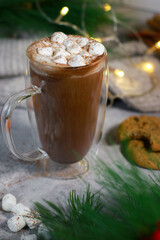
(130, 30)
(26, 18)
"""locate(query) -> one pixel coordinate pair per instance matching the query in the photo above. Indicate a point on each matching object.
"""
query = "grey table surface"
(17, 176)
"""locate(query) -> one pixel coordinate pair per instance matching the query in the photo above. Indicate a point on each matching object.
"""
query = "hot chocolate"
(69, 69)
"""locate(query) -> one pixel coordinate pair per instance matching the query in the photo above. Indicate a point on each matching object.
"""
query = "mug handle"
(6, 115)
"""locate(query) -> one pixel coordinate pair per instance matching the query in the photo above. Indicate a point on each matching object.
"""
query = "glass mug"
(66, 108)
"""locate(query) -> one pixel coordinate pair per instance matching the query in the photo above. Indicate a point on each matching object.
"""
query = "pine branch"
(126, 208)
(69, 220)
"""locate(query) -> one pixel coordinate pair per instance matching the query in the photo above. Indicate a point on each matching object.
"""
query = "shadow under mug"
(66, 108)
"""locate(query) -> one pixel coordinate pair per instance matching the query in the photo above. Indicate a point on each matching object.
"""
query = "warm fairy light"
(154, 48)
(107, 7)
(97, 39)
(119, 73)
(64, 11)
(157, 44)
(148, 67)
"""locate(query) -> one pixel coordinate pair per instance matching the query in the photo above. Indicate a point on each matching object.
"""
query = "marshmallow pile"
(70, 50)
(22, 216)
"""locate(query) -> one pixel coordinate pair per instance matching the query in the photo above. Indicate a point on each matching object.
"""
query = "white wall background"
(152, 5)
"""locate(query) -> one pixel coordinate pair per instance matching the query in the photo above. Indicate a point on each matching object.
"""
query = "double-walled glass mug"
(66, 108)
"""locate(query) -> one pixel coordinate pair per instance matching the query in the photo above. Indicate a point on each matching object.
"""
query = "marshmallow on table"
(43, 231)
(32, 221)
(45, 51)
(82, 41)
(58, 37)
(96, 48)
(20, 209)
(77, 61)
(29, 237)
(60, 59)
(75, 48)
(8, 201)
(16, 223)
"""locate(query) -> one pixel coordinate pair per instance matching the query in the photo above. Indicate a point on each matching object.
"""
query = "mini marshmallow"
(46, 43)
(42, 59)
(60, 59)
(20, 209)
(56, 46)
(85, 54)
(63, 47)
(61, 52)
(29, 237)
(77, 61)
(75, 48)
(16, 223)
(96, 48)
(32, 221)
(43, 231)
(8, 201)
(58, 37)
(82, 41)
(68, 42)
(45, 51)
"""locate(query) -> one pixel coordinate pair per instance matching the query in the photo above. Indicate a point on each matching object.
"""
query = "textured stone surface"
(18, 177)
